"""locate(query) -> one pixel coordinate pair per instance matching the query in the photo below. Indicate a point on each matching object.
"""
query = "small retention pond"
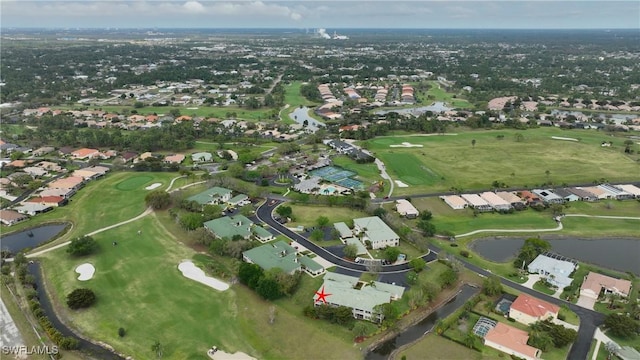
(415, 332)
(614, 253)
(30, 238)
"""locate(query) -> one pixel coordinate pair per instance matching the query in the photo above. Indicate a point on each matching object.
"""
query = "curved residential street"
(589, 319)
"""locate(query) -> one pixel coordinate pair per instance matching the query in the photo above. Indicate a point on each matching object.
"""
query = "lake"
(300, 114)
(30, 238)
(620, 254)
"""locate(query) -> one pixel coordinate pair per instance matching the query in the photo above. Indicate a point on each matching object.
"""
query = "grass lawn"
(593, 227)
(306, 215)
(463, 221)
(436, 93)
(140, 289)
(452, 161)
(117, 197)
(605, 208)
(569, 316)
(436, 347)
(539, 286)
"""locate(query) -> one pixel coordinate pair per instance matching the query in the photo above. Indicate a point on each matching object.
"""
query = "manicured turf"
(438, 348)
(306, 215)
(100, 203)
(452, 161)
(134, 183)
(140, 289)
(436, 93)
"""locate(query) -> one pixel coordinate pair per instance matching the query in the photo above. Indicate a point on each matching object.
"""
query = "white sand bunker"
(400, 183)
(86, 271)
(153, 186)
(406, 145)
(191, 271)
(564, 138)
(221, 355)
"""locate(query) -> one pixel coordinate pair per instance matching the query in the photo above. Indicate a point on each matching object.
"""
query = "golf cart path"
(557, 228)
(148, 211)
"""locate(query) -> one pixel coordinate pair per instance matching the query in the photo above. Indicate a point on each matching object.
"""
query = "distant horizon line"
(294, 28)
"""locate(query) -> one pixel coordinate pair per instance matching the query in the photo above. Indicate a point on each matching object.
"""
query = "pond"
(30, 238)
(436, 107)
(614, 253)
(300, 114)
(415, 332)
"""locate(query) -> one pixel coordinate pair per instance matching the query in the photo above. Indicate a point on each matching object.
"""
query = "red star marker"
(322, 296)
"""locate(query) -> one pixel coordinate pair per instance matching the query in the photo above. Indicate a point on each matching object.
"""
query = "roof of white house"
(474, 200)
(509, 196)
(546, 194)
(454, 200)
(493, 199)
(560, 268)
(376, 229)
(631, 189)
(340, 290)
(404, 207)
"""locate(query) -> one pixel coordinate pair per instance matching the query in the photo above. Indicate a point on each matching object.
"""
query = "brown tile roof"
(511, 338)
(534, 307)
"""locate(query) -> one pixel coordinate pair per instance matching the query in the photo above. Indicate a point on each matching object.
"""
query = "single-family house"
(73, 183)
(375, 231)
(362, 298)
(100, 171)
(548, 196)
(50, 166)
(495, 201)
(214, 196)
(65, 193)
(631, 189)
(35, 171)
(201, 157)
(84, 174)
(476, 202)
(599, 193)
(10, 217)
(566, 195)
(174, 159)
(85, 153)
(455, 202)
(616, 193)
(512, 341)
(32, 209)
(48, 200)
(406, 209)
(276, 255)
(554, 268)
(594, 283)
(310, 266)
(43, 150)
(584, 195)
(530, 198)
(527, 310)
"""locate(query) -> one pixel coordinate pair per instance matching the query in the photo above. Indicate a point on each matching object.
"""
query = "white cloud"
(193, 7)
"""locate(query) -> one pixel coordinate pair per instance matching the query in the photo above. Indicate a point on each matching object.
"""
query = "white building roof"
(558, 269)
(474, 200)
(404, 207)
(631, 189)
(494, 200)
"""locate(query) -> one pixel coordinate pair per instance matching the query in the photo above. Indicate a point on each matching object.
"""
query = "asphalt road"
(589, 319)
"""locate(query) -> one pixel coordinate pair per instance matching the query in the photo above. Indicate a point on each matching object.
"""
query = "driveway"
(586, 302)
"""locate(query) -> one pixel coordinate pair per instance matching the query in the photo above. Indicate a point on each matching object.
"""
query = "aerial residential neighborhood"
(359, 180)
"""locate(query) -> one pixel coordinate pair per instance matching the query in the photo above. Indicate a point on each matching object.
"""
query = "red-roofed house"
(49, 200)
(512, 341)
(527, 310)
(85, 153)
(183, 118)
(151, 118)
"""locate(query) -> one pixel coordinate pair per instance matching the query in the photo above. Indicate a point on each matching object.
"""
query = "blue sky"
(531, 14)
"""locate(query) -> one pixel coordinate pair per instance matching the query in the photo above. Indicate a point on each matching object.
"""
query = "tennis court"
(338, 176)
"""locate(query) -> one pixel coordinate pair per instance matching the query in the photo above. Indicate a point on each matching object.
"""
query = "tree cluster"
(341, 315)
(531, 248)
(81, 298)
(545, 334)
(621, 325)
(272, 284)
(82, 246)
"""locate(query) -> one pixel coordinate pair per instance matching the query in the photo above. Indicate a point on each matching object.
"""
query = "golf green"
(133, 183)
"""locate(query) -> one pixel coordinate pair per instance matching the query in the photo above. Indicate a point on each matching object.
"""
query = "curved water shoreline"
(616, 253)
